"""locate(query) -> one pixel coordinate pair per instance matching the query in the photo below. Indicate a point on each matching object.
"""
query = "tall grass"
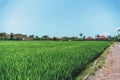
(46, 60)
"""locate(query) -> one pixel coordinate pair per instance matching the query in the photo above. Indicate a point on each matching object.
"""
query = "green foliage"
(45, 37)
(31, 36)
(81, 34)
(11, 36)
(46, 60)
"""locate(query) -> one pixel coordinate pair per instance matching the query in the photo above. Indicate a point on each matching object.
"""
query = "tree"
(18, 36)
(109, 37)
(37, 38)
(11, 36)
(97, 35)
(74, 38)
(83, 37)
(45, 37)
(81, 34)
(118, 30)
(4, 36)
(56, 38)
(64, 38)
(31, 36)
(118, 36)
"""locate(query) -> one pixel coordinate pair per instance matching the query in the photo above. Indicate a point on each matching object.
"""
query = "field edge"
(94, 66)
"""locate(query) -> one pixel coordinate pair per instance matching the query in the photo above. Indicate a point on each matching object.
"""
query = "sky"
(60, 17)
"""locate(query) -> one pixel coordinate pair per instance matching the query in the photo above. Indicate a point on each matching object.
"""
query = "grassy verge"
(94, 66)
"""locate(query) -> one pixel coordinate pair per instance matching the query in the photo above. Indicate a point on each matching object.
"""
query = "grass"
(93, 67)
(47, 60)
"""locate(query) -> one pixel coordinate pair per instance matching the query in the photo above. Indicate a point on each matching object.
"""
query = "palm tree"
(81, 34)
(118, 30)
(118, 37)
(83, 37)
(97, 35)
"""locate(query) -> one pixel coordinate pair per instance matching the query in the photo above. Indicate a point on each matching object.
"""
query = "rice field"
(47, 60)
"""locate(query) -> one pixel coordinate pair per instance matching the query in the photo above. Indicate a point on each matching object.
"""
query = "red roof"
(89, 38)
(102, 37)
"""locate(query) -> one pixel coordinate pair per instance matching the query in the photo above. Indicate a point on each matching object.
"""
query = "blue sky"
(60, 17)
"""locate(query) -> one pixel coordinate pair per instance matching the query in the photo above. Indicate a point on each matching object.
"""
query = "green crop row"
(47, 60)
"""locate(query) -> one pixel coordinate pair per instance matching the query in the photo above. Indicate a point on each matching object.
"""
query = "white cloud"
(105, 34)
(118, 29)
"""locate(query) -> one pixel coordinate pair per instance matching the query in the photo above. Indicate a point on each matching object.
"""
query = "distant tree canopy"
(45, 37)
(31, 36)
(19, 36)
(4, 36)
(11, 36)
(36, 38)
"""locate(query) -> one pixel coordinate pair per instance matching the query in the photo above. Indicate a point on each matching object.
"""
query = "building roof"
(102, 38)
(89, 38)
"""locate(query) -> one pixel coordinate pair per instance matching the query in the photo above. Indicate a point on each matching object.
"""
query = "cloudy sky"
(60, 17)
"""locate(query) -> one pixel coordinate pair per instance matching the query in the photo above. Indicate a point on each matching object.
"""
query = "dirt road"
(111, 69)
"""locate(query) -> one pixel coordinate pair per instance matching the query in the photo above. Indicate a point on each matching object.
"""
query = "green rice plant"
(47, 60)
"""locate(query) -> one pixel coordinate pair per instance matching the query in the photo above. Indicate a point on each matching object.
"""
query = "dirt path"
(111, 69)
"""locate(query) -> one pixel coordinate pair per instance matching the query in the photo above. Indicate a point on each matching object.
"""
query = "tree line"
(12, 36)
